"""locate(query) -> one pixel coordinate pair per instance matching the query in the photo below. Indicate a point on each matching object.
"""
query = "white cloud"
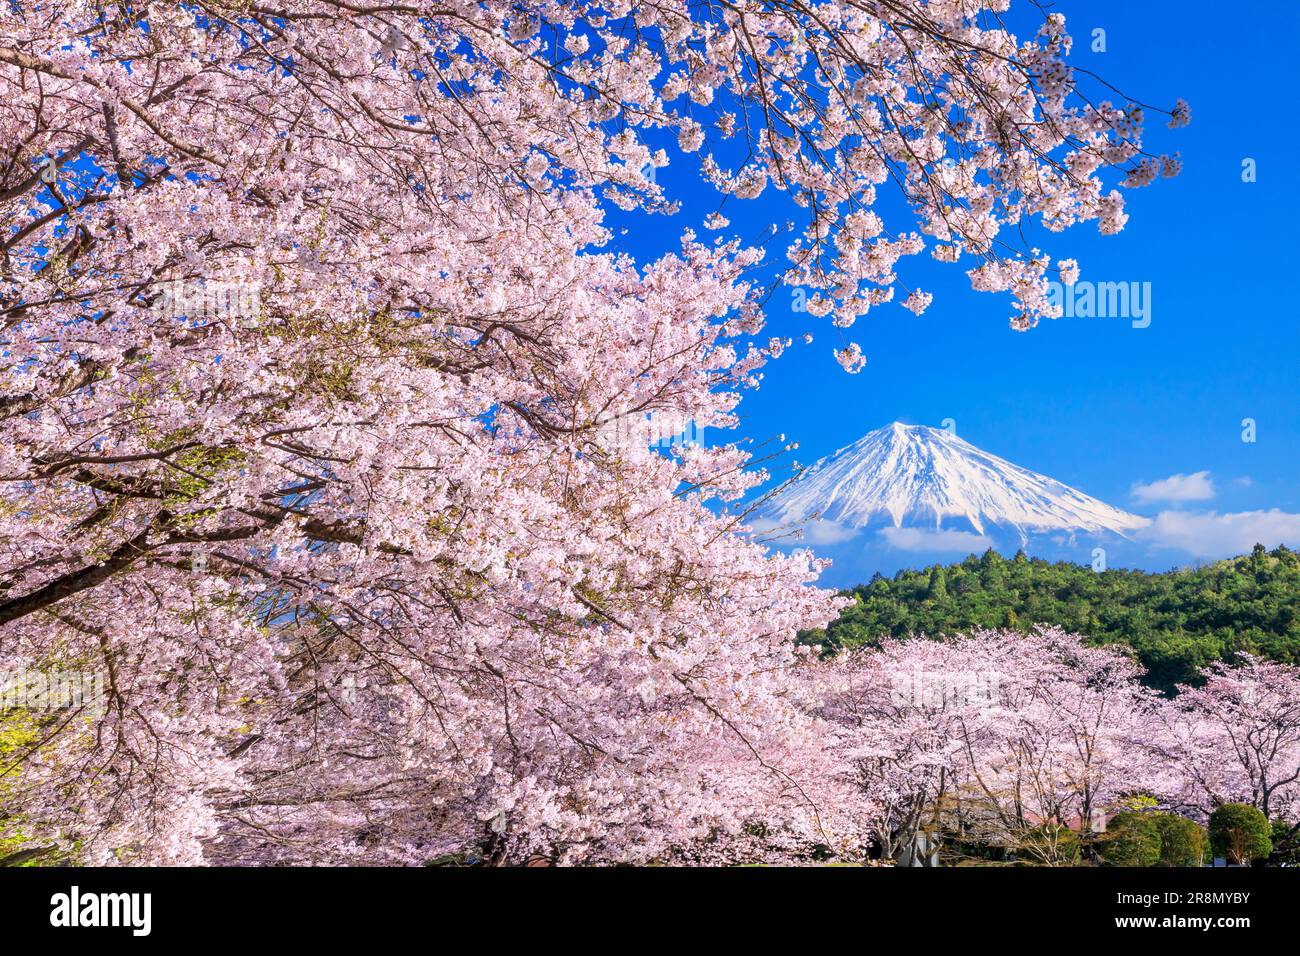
(1180, 487)
(827, 532)
(921, 539)
(1208, 534)
(814, 531)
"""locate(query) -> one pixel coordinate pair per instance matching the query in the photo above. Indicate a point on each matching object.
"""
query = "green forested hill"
(1177, 621)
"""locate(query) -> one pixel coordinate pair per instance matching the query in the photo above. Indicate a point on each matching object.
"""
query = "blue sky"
(1094, 402)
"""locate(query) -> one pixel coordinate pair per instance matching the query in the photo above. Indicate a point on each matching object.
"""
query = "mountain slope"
(915, 475)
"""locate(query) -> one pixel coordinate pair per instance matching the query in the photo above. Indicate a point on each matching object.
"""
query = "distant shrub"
(1182, 841)
(1286, 844)
(1241, 833)
(1132, 839)
(1052, 844)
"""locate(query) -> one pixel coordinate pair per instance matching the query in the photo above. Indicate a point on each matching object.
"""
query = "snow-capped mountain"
(916, 476)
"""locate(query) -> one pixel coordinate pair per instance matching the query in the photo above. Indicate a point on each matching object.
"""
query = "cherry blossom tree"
(314, 333)
(908, 714)
(1007, 740)
(1030, 742)
(1236, 739)
(1068, 742)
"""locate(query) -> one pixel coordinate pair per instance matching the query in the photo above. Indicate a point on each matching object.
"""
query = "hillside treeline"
(1176, 621)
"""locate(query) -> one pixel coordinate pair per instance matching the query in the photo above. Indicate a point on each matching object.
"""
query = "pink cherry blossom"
(314, 330)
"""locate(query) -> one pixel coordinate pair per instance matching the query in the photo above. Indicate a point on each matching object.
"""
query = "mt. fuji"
(913, 476)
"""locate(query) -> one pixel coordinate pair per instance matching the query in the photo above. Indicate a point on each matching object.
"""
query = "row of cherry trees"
(312, 334)
(1027, 744)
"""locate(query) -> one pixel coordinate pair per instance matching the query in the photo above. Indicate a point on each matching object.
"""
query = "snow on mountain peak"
(917, 475)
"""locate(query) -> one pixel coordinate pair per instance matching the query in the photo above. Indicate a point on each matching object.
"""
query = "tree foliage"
(1183, 842)
(1240, 833)
(1132, 839)
(1176, 622)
